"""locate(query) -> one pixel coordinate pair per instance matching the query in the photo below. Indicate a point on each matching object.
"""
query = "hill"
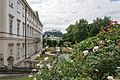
(53, 33)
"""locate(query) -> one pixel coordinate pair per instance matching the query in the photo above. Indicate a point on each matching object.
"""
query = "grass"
(50, 49)
(66, 50)
(24, 79)
(14, 78)
(42, 56)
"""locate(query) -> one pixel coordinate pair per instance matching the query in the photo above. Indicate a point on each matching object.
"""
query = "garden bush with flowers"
(96, 58)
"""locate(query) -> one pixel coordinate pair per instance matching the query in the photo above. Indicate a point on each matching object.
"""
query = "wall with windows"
(17, 11)
(12, 13)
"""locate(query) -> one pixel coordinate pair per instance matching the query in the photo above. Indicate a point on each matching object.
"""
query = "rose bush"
(93, 59)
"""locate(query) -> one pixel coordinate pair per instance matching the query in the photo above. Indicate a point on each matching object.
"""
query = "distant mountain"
(53, 33)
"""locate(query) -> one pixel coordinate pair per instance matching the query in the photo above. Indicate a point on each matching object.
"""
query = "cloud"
(59, 14)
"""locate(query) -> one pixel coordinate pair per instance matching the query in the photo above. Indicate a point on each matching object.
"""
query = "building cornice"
(17, 35)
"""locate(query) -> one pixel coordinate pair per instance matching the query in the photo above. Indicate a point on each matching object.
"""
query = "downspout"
(25, 32)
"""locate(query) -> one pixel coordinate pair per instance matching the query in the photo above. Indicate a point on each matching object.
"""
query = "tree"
(54, 43)
(44, 42)
(49, 42)
(69, 35)
(82, 30)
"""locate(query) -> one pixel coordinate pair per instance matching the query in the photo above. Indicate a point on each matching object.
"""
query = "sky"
(59, 14)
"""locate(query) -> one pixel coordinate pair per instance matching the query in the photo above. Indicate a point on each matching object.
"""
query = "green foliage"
(103, 63)
(100, 61)
(61, 43)
(98, 65)
(44, 42)
(49, 42)
(82, 30)
(52, 43)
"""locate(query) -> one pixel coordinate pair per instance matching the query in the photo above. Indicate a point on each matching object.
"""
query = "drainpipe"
(25, 32)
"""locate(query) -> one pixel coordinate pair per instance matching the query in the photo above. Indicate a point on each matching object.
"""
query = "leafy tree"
(61, 43)
(44, 42)
(54, 43)
(82, 30)
(49, 42)
(69, 35)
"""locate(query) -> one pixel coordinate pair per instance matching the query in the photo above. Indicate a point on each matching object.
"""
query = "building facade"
(20, 32)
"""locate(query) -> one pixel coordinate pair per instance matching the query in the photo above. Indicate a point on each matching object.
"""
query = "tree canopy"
(81, 30)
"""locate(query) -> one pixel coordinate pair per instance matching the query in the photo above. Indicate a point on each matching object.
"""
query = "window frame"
(11, 4)
(11, 23)
(23, 12)
(18, 6)
(11, 49)
(18, 51)
(18, 27)
(23, 25)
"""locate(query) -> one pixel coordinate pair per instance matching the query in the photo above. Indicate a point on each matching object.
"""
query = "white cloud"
(59, 14)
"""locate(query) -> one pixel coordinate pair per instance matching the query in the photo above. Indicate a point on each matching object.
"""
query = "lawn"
(42, 56)
(65, 50)
(50, 49)
(14, 78)
(23, 79)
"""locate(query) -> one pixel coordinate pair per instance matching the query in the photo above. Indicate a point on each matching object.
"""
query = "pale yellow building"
(20, 32)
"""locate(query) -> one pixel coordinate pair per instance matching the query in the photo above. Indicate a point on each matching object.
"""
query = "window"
(18, 51)
(23, 29)
(27, 14)
(23, 12)
(1, 56)
(32, 18)
(10, 47)
(28, 30)
(23, 49)
(18, 27)
(28, 48)
(11, 3)
(10, 24)
(32, 32)
(18, 7)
